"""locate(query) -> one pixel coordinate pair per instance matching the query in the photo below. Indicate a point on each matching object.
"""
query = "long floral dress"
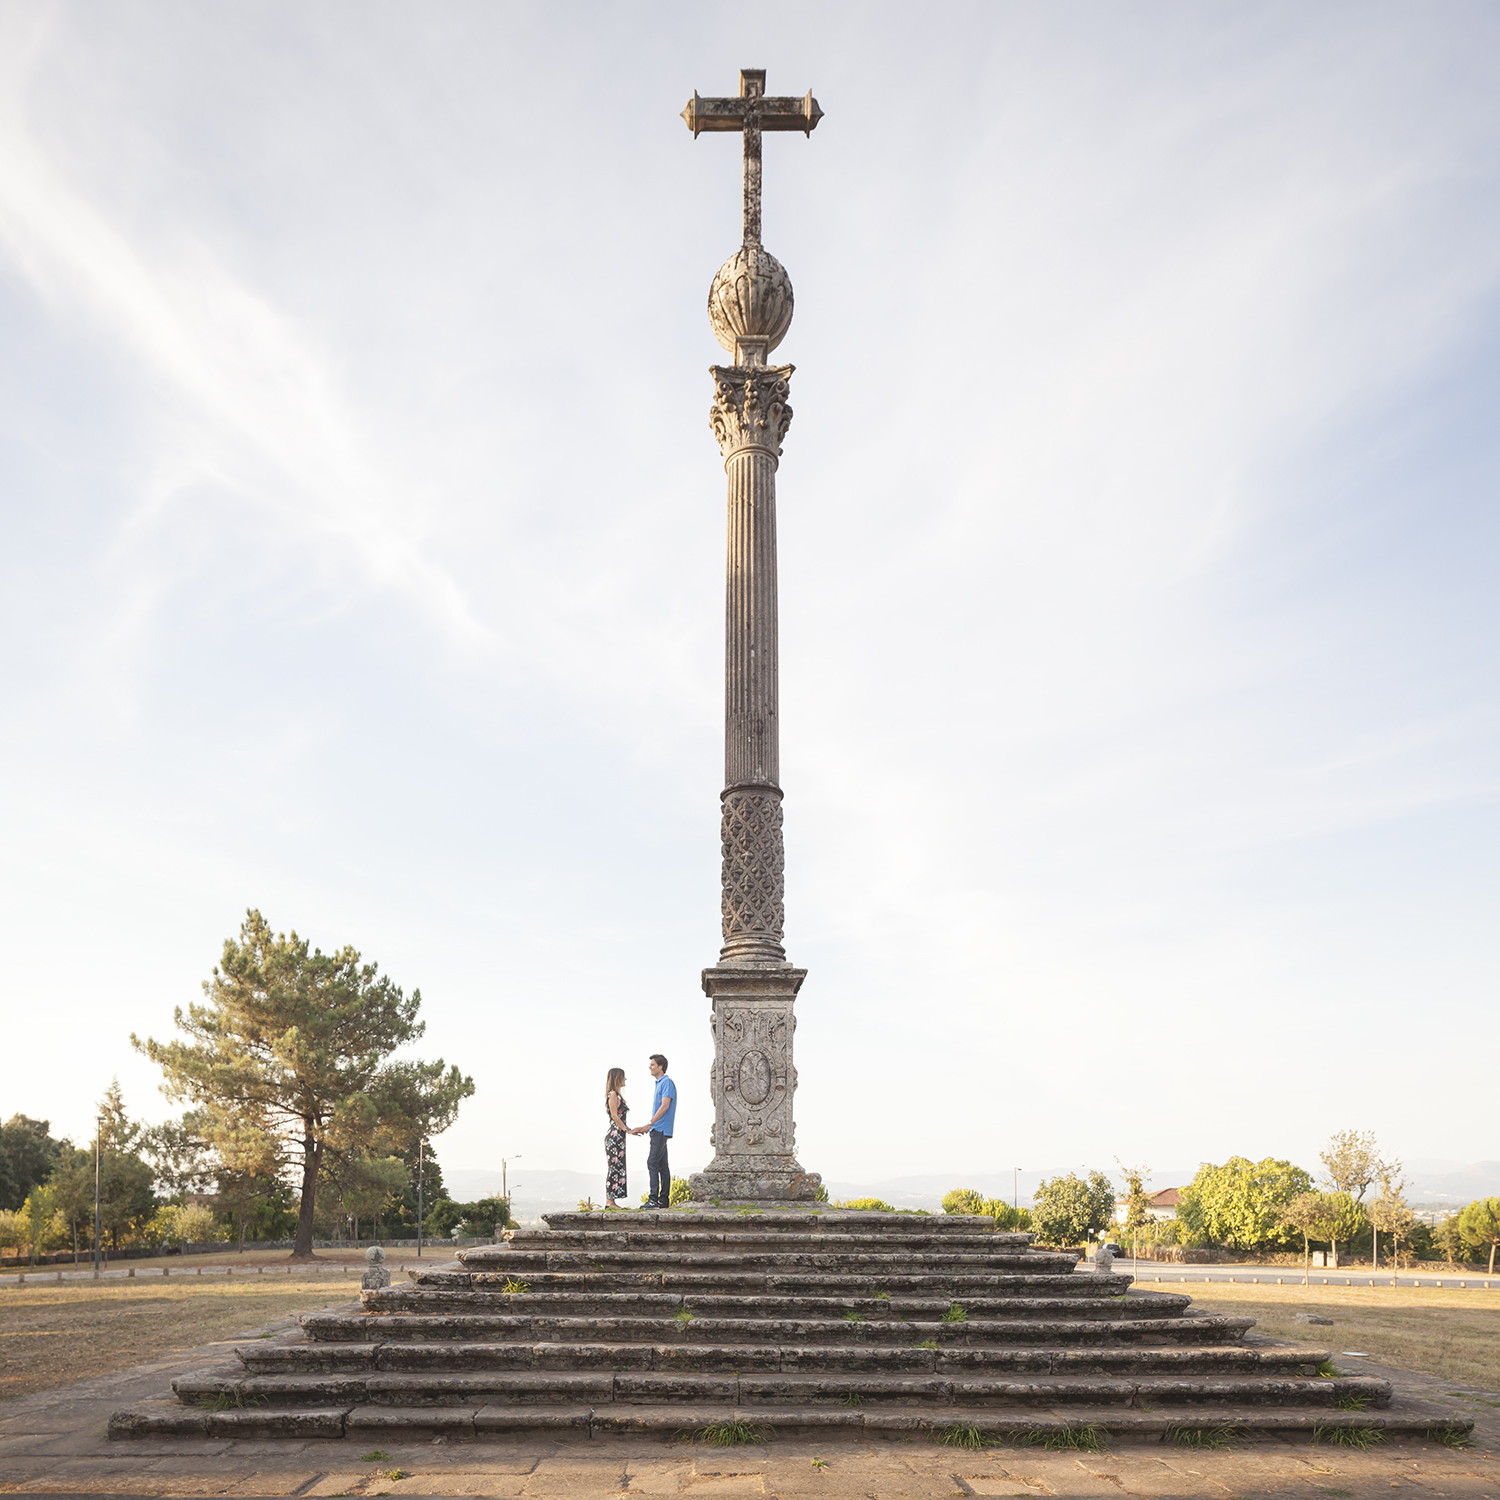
(614, 1152)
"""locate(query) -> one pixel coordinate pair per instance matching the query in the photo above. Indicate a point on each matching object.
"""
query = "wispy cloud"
(244, 398)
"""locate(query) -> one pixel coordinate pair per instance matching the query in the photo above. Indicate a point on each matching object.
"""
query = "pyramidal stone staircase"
(666, 1324)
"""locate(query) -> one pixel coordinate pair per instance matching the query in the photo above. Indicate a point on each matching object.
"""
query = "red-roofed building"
(1162, 1205)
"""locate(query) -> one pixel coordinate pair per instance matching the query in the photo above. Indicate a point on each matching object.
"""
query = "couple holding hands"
(663, 1113)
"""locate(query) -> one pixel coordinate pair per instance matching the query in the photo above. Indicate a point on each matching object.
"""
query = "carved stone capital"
(750, 409)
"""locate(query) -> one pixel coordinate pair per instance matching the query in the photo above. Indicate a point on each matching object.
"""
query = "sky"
(362, 535)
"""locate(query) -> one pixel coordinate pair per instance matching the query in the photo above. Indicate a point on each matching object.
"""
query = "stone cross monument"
(752, 986)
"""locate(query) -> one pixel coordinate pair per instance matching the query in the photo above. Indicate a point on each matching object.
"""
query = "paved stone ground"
(54, 1443)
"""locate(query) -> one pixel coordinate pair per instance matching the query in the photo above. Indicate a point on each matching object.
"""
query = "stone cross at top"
(753, 112)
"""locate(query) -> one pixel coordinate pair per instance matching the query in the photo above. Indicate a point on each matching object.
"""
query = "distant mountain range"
(1451, 1182)
(537, 1192)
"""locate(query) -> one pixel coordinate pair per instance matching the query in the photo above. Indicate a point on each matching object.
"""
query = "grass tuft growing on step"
(515, 1287)
(1450, 1435)
(683, 1316)
(375, 1456)
(1349, 1437)
(962, 1435)
(227, 1399)
(1327, 1370)
(1352, 1402)
(957, 1313)
(735, 1433)
(1086, 1438)
(926, 1344)
(854, 1399)
(1201, 1437)
(854, 1317)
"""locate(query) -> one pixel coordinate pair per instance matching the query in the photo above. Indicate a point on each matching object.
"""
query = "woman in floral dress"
(614, 1138)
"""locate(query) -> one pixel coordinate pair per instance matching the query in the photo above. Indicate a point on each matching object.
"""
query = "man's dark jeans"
(657, 1170)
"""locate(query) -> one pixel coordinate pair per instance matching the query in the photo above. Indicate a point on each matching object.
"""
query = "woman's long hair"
(613, 1082)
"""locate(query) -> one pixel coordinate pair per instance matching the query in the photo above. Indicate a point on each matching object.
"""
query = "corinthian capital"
(750, 407)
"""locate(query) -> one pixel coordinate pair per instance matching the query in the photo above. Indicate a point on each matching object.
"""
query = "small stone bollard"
(377, 1276)
(1104, 1260)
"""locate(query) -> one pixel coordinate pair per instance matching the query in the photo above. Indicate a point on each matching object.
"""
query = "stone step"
(344, 1328)
(667, 1423)
(708, 1303)
(824, 1244)
(947, 1358)
(963, 1386)
(484, 1290)
(842, 1262)
(706, 1220)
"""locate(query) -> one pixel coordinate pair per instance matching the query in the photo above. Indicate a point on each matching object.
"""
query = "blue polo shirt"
(665, 1089)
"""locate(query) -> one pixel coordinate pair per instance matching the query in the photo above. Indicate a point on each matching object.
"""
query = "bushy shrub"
(469, 1220)
(183, 1224)
(968, 1201)
(870, 1205)
(680, 1193)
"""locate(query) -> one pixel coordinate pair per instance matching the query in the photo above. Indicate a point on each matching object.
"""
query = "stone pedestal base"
(780, 1181)
(753, 1080)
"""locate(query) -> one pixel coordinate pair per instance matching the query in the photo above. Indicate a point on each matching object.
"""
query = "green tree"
(963, 1201)
(116, 1128)
(1353, 1162)
(243, 1197)
(1137, 1200)
(364, 1187)
(182, 1157)
(290, 1063)
(433, 1189)
(969, 1201)
(1346, 1218)
(29, 1154)
(126, 1199)
(1069, 1210)
(1450, 1239)
(13, 1229)
(72, 1184)
(485, 1217)
(1242, 1203)
(1308, 1214)
(1389, 1212)
(1479, 1224)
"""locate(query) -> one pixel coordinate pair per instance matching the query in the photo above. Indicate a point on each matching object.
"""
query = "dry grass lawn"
(53, 1334)
(1453, 1334)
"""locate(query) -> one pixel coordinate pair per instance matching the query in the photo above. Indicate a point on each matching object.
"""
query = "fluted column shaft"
(750, 417)
(752, 743)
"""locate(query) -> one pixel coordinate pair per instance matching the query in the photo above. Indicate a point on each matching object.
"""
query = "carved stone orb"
(750, 304)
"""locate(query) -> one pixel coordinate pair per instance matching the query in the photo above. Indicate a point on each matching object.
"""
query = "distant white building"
(1162, 1205)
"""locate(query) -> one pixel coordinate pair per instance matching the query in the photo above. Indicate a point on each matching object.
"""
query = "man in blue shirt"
(663, 1113)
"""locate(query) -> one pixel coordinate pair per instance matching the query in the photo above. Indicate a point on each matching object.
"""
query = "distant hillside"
(1480, 1179)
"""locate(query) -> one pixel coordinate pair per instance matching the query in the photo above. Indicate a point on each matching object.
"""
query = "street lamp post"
(98, 1155)
(421, 1161)
(1015, 1190)
(505, 1181)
